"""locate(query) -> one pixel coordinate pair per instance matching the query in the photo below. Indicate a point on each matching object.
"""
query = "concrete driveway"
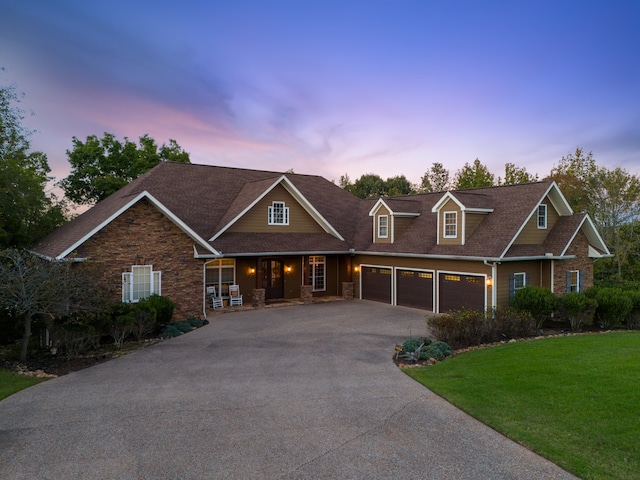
(280, 393)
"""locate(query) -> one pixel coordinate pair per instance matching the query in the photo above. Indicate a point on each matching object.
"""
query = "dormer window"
(383, 226)
(542, 216)
(278, 214)
(450, 224)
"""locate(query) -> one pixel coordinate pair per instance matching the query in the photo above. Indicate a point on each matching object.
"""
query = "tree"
(100, 167)
(514, 175)
(398, 185)
(369, 185)
(27, 213)
(614, 201)
(31, 286)
(474, 176)
(437, 179)
(572, 175)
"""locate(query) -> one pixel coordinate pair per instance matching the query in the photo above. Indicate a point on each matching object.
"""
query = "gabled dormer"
(458, 216)
(543, 217)
(391, 217)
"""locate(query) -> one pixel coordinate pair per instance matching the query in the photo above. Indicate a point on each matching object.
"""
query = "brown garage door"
(376, 284)
(461, 291)
(414, 289)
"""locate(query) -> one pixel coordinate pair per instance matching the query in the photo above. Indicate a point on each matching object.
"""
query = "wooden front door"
(273, 279)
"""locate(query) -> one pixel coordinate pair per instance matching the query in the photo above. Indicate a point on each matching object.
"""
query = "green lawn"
(11, 382)
(574, 400)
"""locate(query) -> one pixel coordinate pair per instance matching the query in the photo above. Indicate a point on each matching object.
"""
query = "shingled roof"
(204, 201)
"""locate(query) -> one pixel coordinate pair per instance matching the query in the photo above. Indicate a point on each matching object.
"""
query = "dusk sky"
(332, 87)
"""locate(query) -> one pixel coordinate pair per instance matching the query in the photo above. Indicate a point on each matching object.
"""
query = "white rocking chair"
(235, 298)
(216, 302)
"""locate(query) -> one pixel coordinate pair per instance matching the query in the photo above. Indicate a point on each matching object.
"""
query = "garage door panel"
(414, 289)
(376, 284)
(461, 291)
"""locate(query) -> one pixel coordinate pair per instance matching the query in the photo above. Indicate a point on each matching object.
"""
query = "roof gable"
(247, 199)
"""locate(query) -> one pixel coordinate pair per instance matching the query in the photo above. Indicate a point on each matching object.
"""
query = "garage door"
(461, 291)
(376, 284)
(414, 289)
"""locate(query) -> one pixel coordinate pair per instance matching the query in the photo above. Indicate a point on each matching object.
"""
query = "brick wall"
(144, 236)
(582, 262)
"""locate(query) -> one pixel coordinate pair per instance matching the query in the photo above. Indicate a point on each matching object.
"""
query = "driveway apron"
(298, 392)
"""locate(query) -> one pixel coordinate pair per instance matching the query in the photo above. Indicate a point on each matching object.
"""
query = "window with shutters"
(573, 281)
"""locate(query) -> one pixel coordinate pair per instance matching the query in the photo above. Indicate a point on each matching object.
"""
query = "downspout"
(494, 290)
(204, 289)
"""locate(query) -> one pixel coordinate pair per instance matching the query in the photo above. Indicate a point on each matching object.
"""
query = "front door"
(272, 271)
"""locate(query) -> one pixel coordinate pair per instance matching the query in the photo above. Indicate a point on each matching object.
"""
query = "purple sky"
(331, 87)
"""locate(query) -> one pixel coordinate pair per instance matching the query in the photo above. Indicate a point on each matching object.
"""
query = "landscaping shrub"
(538, 301)
(73, 334)
(162, 306)
(578, 309)
(171, 331)
(614, 305)
(410, 345)
(194, 322)
(633, 320)
(512, 323)
(145, 317)
(437, 350)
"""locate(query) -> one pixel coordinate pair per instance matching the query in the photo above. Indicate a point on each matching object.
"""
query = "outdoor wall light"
(356, 269)
(252, 271)
(489, 281)
(287, 269)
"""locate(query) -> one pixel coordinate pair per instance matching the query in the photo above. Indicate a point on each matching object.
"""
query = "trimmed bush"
(578, 309)
(633, 320)
(194, 322)
(614, 305)
(512, 323)
(411, 345)
(162, 306)
(539, 302)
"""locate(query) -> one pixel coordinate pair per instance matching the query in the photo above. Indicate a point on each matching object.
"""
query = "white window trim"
(455, 224)
(380, 226)
(542, 217)
(220, 265)
(272, 210)
(314, 261)
(155, 285)
(577, 284)
(523, 275)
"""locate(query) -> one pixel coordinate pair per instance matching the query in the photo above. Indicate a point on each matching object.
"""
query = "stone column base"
(258, 297)
(306, 293)
(347, 290)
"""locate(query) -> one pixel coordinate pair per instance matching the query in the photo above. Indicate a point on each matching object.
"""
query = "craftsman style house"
(180, 229)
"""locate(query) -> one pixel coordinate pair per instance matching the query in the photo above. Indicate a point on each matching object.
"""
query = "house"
(181, 228)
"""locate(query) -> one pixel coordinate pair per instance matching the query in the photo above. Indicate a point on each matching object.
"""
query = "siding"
(531, 234)
(256, 219)
(505, 270)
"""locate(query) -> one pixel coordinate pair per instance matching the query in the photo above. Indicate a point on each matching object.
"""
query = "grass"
(573, 400)
(11, 382)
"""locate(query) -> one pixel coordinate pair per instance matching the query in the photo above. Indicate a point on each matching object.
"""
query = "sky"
(330, 87)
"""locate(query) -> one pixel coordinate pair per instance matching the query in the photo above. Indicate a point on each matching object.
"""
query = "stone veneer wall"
(144, 236)
(582, 262)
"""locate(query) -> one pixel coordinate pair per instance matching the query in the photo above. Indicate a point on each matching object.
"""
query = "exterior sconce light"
(489, 281)
(287, 269)
(356, 269)
(252, 271)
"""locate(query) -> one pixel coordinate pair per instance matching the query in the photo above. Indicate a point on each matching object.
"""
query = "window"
(317, 273)
(278, 214)
(519, 281)
(542, 216)
(383, 226)
(141, 282)
(220, 274)
(574, 283)
(450, 224)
